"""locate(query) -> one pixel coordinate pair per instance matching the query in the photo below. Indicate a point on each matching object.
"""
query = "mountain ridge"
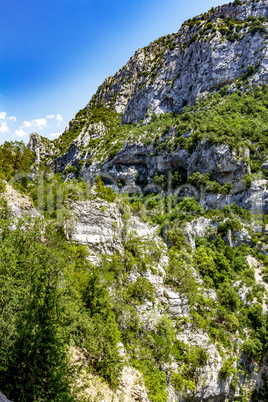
(181, 247)
(171, 72)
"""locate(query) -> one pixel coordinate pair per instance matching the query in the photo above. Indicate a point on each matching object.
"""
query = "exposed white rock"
(187, 69)
(100, 225)
(3, 398)
(254, 199)
(201, 227)
(19, 205)
(131, 386)
(242, 237)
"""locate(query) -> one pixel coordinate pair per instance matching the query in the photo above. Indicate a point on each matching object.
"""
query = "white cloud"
(20, 132)
(40, 123)
(3, 115)
(37, 124)
(59, 118)
(55, 135)
(4, 128)
(26, 124)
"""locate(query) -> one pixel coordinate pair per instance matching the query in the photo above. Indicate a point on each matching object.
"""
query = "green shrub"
(247, 180)
(141, 289)
(177, 238)
(227, 369)
(208, 184)
(15, 158)
(2, 186)
(212, 265)
(230, 224)
(106, 193)
(228, 296)
(252, 349)
(70, 169)
(155, 379)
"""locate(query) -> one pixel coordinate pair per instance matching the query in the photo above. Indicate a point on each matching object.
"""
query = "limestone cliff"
(204, 55)
(162, 125)
(226, 45)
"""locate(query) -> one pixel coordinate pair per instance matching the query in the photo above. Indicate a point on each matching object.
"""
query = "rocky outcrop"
(131, 387)
(3, 398)
(137, 160)
(18, 204)
(101, 226)
(104, 228)
(208, 52)
(42, 147)
(177, 69)
(254, 198)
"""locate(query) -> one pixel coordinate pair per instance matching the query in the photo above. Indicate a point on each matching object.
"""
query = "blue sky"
(54, 54)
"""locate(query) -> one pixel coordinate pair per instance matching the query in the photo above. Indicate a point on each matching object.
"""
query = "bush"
(252, 349)
(106, 193)
(141, 289)
(70, 169)
(228, 296)
(227, 369)
(212, 265)
(155, 379)
(229, 224)
(15, 158)
(210, 185)
(247, 180)
(177, 238)
(2, 186)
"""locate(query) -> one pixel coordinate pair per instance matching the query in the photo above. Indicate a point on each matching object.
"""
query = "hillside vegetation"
(116, 266)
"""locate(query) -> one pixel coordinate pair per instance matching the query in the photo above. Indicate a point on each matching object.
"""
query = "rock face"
(18, 204)
(100, 225)
(254, 198)
(174, 70)
(208, 52)
(42, 147)
(3, 398)
(104, 228)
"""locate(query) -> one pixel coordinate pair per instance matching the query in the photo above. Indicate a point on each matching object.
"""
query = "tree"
(34, 360)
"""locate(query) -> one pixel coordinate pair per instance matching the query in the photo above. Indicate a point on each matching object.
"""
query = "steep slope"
(188, 326)
(208, 52)
(163, 284)
(227, 45)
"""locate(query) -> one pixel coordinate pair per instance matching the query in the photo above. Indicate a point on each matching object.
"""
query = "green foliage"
(2, 186)
(51, 296)
(208, 184)
(177, 238)
(212, 265)
(247, 180)
(228, 296)
(191, 359)
(227, 369)
(229, 224)
(179, 274)
(252, 349)
(15, 159)
(257, 26)
(180, 383)
(106, 193)
(34, 362)
(51, 196)
(141, 290)
(70, 169)
(155, 379)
